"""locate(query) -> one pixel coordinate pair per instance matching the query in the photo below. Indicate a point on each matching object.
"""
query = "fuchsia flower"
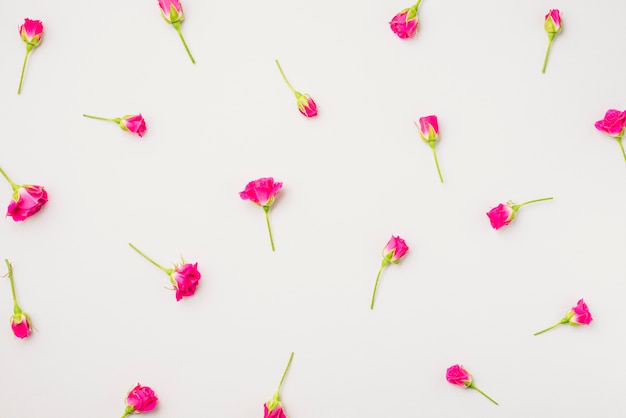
(172, 12)
(134, 124)
(552, 25)
(429, 131)
(405, 23)
(457, 375)
(274, 408)
(395, 249)
(305, 103)
(578, 315)
(185, 278)
(30, 32)
(614, 125)
(140, 399)
(28, 199)
(503, 214)
(262, 192)
(20, 321)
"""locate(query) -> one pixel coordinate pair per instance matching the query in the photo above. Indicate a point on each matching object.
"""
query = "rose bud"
(274, 408)
(395, 249)
(31, 32)
(578, 315)
(172, 12)
(405, 23)
(28, 199)
(130, 123)
(614, 125)
(305, 103)
(140, 399)
(262, 192)
(429, 131)
(503, 214)
(552, 25)
(20, 321)
(457, 375)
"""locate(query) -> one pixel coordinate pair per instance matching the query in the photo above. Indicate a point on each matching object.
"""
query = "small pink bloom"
(20, 325)
(134, 124)
(277, 412)
(429, 128)
(261, 191)
(579, 314)
(405, 23)
(31, 31)
(395, 249)
(274, 408)
(457, 375)
(306, 105)
(501, 215)
(140, 399)
(552, 21)
(27, 201)
(172, 10)
(186, 277)
(613, 124)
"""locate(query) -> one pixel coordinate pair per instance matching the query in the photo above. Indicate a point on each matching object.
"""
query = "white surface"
(352, 176)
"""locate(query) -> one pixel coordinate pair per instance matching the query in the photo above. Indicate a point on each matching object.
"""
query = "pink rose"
(306, 105)
(140, 399)
(578, 315)
(186, 277)
(429, 128)
(20, 325)
(404, 24)
(172, 10)
(134, 124)
(457, 375)
(261, 191)
(274, 408)
(31, 31)
(501, 215)
(274, 413)
(26, 202)
(613, 124)
(552, 22)
(395, 249)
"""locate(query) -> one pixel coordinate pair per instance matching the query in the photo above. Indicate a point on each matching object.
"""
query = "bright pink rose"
(140, 399)
(306, 105)
(261, 191)
(172, 10)
(457, 375)
(404, 24)
(134, 124)
(277, 412)
(27, 201)
(613, 124)
(552, 22)
(579, 314)
(429, 128)
(186, 277)
(395, 249)
(20, 325)
(31, 31)
(501, 215)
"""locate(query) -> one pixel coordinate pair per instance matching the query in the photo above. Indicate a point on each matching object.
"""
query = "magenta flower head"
(395, 249)
(552, 25)
(614, 125)
(503, 214)
(172, 12)
(135, 124)
(578, 315)
(31, 32)
(457, 375)
(305, 103)
(185, 277)
(274, 408)
(140, 399)
(405, 23)
(28, 199)
(20, 321)
(429, 131)
(263, 192)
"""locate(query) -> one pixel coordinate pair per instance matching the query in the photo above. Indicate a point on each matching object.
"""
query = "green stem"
(269, 228)
(532, 201)
(128, 411)
(11, 182)
(182, 38)
(282, 379)
(380, 270)
(167, 271)
(16, 308)
(29, 47)
(285, 78)
(619, 141)
(416, 5)
(561, 322)
(483, 393)
(100, 118)
(432, 146)
(545, 61)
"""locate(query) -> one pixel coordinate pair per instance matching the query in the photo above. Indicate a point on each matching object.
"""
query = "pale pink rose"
(457, 375)
(134, 124)
(501, 215)
(395, 249)
(172, 10)
(31, 31)
(552, 21)
(27, 201)
(277, 412)
(579, 314)
(429, 128)
(405, 23)
(186, 277)
(20, 325)
(140, 399)
(613, 124)
(306, 105)
(262, 191)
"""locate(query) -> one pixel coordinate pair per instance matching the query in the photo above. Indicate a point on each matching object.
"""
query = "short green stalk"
(380, 270)
(266, 209)
(561, 322)
(545, 61)
(167, 271)
(482, 393)
(14, 186)
(432, 146)
(516, 207)
(297, 94)
(182, 38)
(29, 47)
(16, 307)
(619, 141)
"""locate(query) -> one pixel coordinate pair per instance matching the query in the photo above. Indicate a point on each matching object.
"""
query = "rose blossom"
(274, 408)
(457, 375)
(172, 12)
(429, 131)
(614, 125)
(135, 124)
(404, 24)
(578, 315)
(305, 103)
(262, 192)
(395, 249)
(31, 32)
(20, 322)
(140, 399)
(28, 199)
(503, 214)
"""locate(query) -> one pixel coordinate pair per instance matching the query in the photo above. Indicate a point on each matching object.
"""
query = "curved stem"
(11, 182)
(416, 5)
(269, 228)
(10, 274)
(282, 379)
(619, 141)
(483, 393)
(182, 38)
(149, 259)
(432, 146)
(533, 201)
(549, 328)
(380, 270)
(285, 78)
(545, 61)
(19, 89)
(99, 118)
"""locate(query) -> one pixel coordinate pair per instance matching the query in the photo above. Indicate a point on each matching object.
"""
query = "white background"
(352, 176)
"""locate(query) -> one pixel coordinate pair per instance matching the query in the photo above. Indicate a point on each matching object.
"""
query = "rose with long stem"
(20, 321)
